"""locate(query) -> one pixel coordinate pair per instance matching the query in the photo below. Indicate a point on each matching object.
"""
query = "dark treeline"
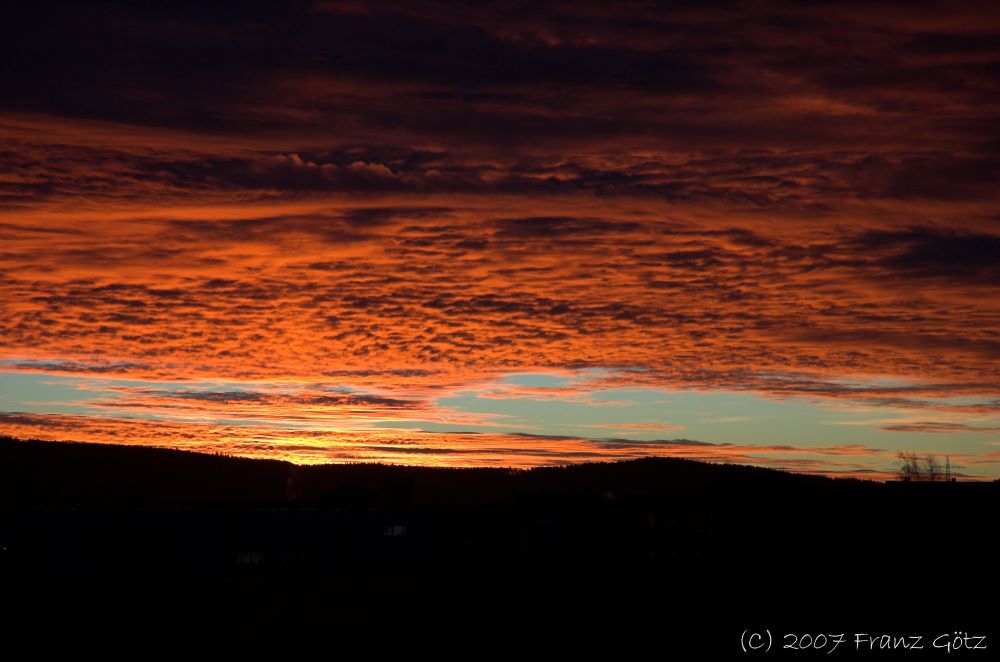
(40, 473)
(628, 560)
(85, 504)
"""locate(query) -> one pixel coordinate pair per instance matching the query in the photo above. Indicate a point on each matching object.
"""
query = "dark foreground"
(143, 553)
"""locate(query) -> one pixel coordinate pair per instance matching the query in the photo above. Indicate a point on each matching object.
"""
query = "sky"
(505, 233)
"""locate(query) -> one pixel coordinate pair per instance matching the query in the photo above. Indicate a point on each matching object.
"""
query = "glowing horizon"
(517, 240)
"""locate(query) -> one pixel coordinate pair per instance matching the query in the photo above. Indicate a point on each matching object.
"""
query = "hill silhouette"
(639, 559)
(125, 502)
(66, 473)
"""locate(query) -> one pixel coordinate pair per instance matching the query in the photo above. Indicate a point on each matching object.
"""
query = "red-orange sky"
(505, 233)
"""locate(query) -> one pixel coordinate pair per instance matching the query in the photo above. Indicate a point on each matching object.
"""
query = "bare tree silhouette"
(913, 467)
(932, 467)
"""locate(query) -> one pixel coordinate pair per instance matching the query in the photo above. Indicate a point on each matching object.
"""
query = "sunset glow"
(487, 237)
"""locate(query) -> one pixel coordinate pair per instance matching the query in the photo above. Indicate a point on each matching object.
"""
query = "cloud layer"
(412, 198)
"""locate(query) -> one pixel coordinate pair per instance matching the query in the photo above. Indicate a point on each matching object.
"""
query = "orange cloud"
(799, 213)
(417, 447)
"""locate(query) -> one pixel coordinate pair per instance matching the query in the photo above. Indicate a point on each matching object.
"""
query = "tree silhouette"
(932, 467)
(913, 467)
